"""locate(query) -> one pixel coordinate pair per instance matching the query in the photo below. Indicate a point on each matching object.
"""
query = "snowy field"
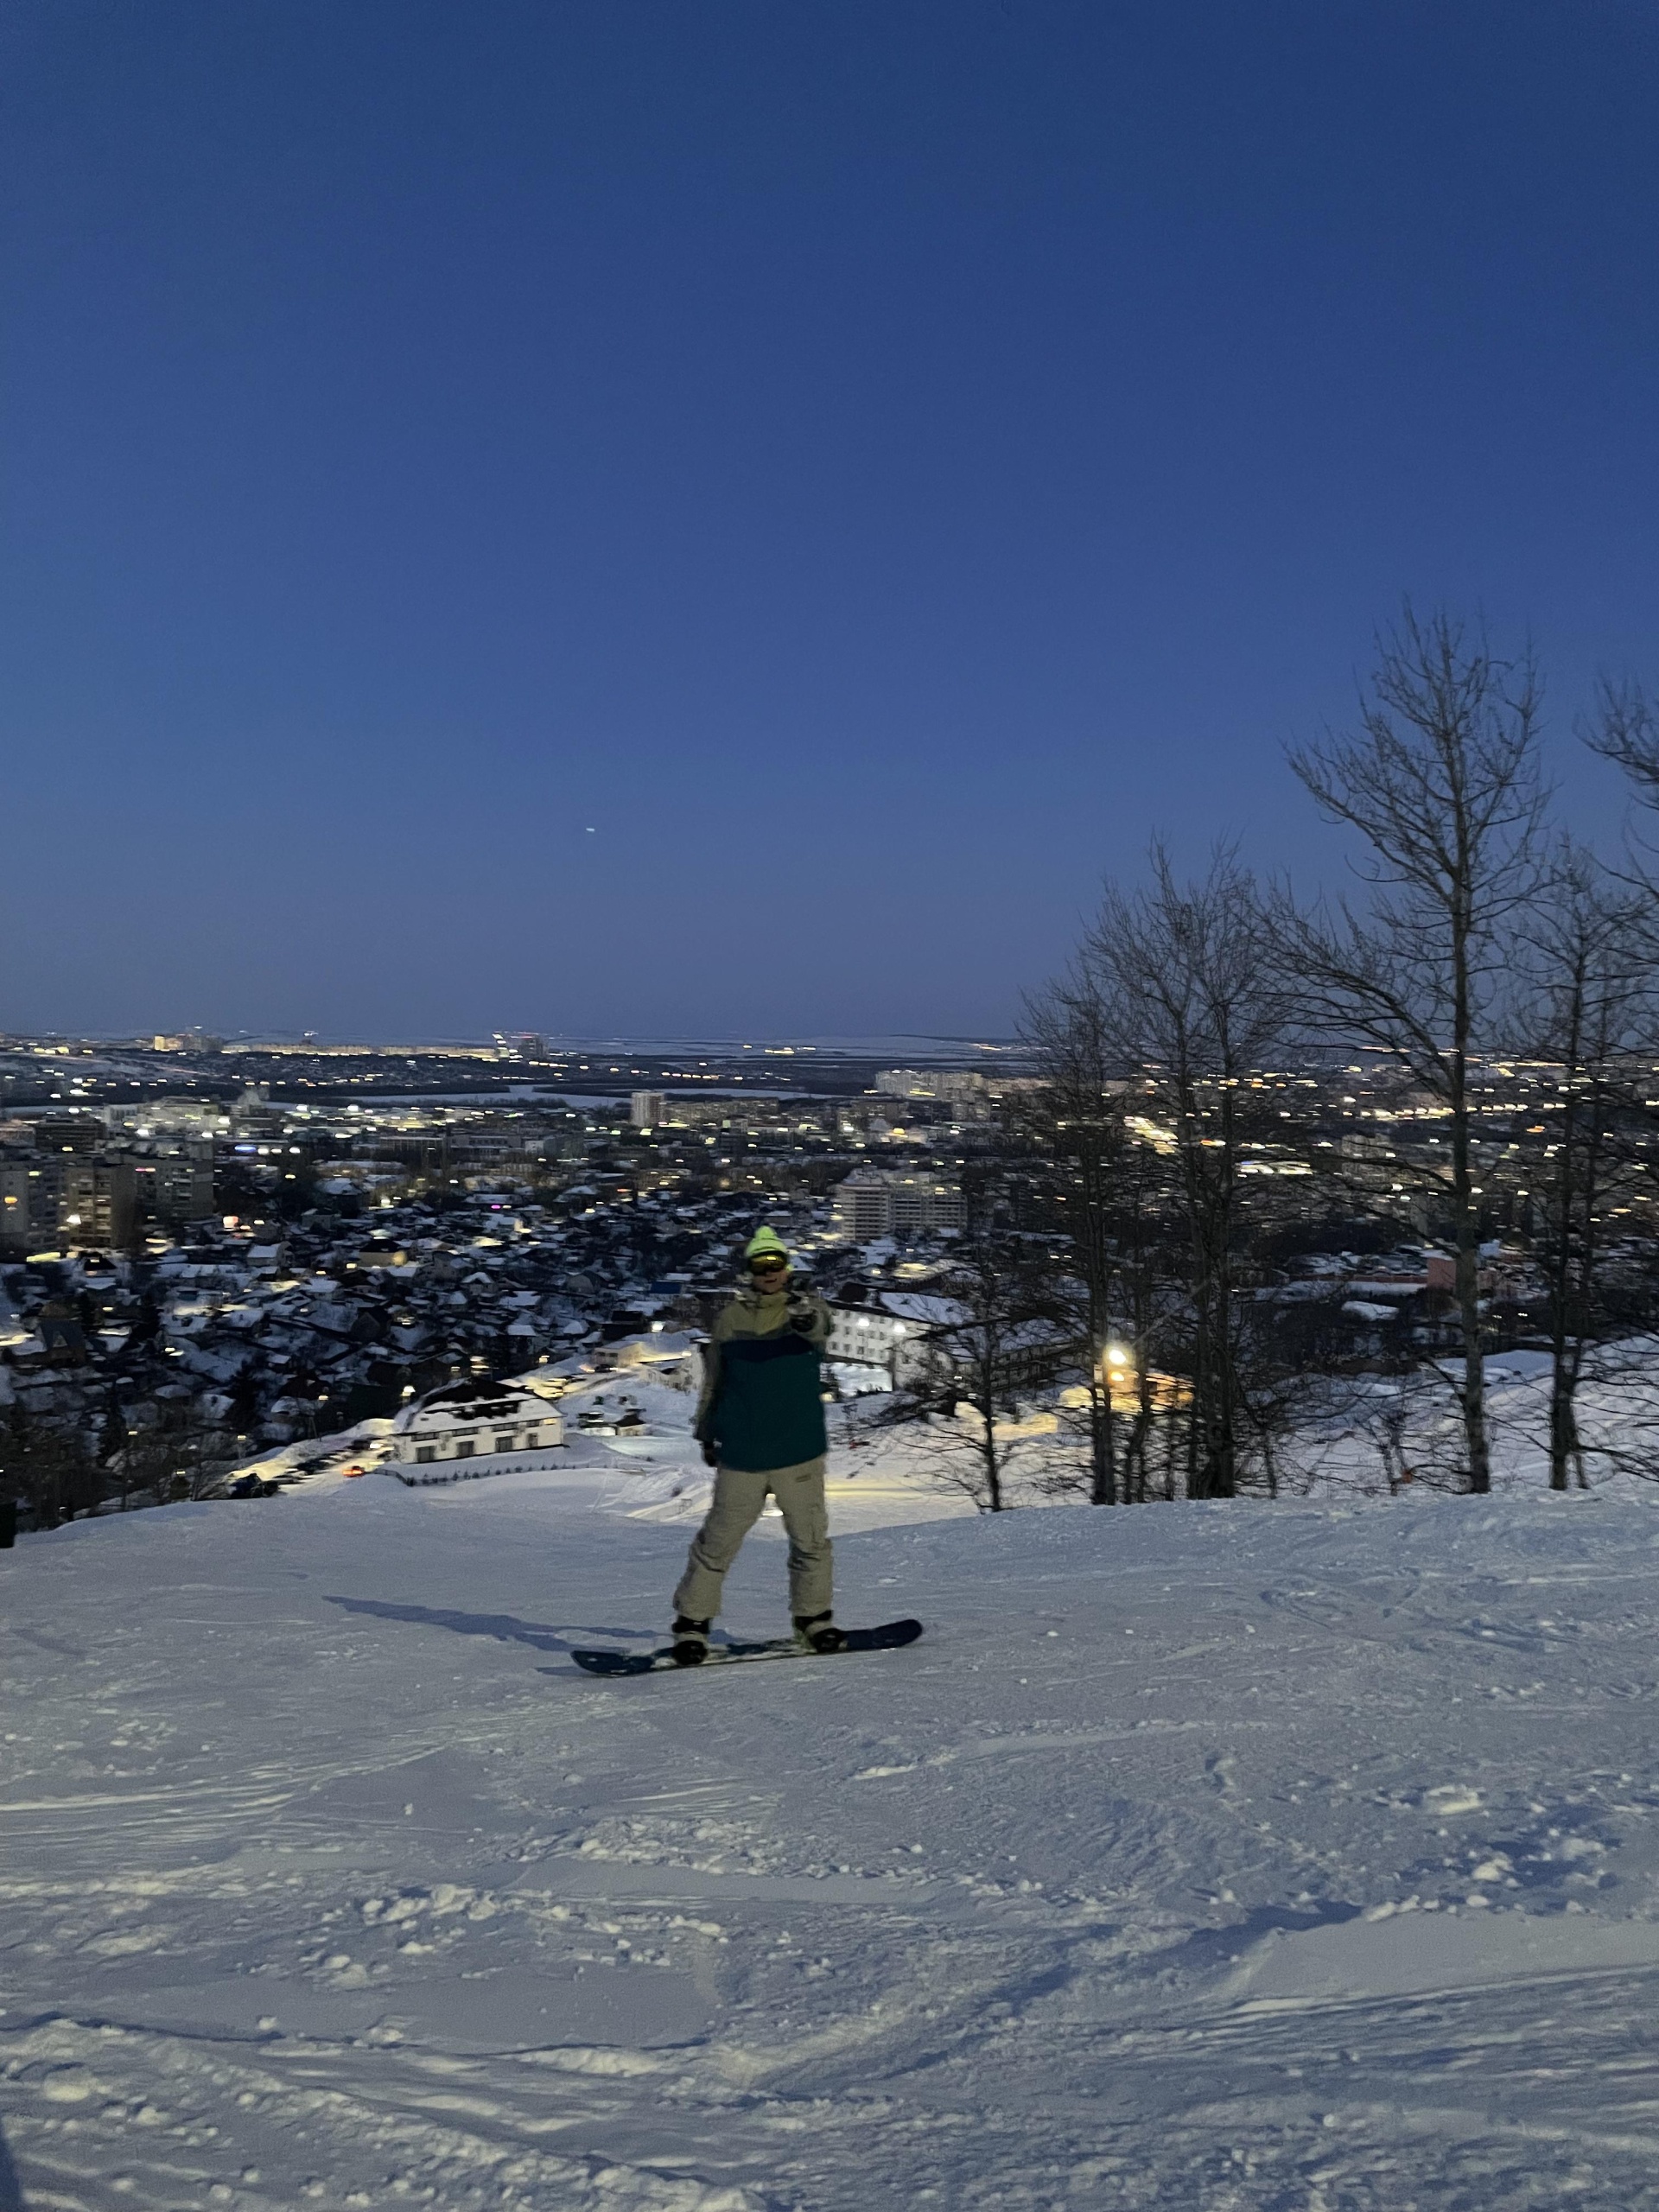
(1200, 1856)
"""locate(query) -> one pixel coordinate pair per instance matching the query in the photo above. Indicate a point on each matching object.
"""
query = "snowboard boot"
(690, 1645)
(819, 1632)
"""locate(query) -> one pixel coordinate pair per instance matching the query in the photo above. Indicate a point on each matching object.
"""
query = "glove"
(711, 1457)
(803, 1315)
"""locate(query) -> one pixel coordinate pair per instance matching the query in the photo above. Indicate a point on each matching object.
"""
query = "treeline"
(1481, 934)
(55, 1470)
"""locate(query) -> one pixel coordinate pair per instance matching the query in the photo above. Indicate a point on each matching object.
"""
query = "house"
(923, 1338)
(895, 1329)
(466, 1429)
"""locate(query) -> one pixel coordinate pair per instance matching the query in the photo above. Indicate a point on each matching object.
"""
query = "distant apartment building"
(97, 1203)
(872, 1203)
(186, 1040)
(254, 1116)
(26, 1195)
(173, 1116)
(648, 1110)
(64, 1202)
(481, 1147)
(959, 1086)
(861, 1207)
(720, 1112)
(175, 1187)
(76, 1133)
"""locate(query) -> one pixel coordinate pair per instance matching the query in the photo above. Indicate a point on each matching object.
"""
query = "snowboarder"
(760, 1424)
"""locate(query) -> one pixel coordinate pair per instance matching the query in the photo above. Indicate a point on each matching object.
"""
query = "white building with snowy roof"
(466, 1429)
(897, 1329)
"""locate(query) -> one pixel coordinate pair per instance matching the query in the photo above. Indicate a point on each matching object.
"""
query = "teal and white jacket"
(762, 1405)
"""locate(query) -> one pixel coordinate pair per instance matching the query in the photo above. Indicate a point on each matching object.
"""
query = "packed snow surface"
(1198, 1857)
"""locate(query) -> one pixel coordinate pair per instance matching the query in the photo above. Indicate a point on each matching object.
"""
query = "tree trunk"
(1267, 1462)
(993, 1456)
(1563, 1437)
(1102, 1434)
(1102, 1485)
(1467, 1217)
(1135, 1453)
(1562, 1426)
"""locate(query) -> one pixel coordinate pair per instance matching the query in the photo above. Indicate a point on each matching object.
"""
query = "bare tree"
(1441, 783)
(1624, 728)
(1078, 1117)
(1589, 972)
(177, 1456)
(1402, 1410)
(49, 1468)
(1003, 1335)
(1194, 997)
(1283, 1378)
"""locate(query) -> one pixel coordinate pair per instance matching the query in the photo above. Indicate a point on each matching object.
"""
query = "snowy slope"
(1198, 1857)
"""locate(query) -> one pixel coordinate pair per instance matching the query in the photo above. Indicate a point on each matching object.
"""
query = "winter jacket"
(761, 1405)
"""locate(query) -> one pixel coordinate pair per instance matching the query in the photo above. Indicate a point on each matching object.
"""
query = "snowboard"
(888, 1638)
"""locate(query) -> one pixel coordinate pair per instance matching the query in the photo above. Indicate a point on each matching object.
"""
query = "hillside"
(1235, 1857)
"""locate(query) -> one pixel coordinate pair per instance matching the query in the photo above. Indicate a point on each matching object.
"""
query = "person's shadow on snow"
(11, 2194)
(502, 1628)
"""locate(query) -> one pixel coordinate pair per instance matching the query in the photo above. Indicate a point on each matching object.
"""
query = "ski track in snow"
(1248, 1857)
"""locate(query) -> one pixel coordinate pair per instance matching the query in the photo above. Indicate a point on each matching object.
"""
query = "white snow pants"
(740, 1493)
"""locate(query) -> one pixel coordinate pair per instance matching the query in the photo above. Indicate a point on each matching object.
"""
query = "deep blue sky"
(724, 515)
